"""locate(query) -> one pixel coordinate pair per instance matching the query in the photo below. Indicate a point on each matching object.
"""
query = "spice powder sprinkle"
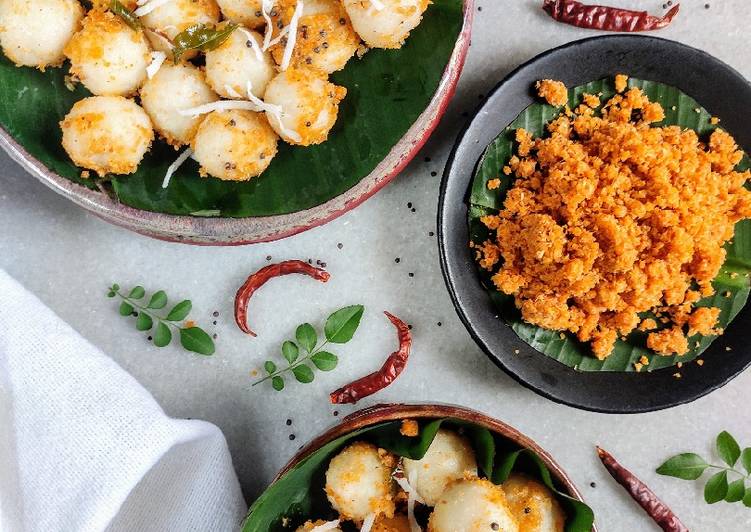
(609, 217)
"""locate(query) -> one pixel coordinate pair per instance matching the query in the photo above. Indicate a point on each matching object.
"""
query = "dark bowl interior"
(716, 86)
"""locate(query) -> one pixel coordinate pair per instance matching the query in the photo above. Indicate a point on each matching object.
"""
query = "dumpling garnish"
(358, 483)
(107, 134)
(398, 523)
(385, 23)
(238, 60)
(534, 506)
(325, 38)
(174, 16)
(234, 145)
(450, 457)
(248, 13)
(309, 105)
(35, 32)
(472, 504)
(319, 526)
(172, 89)
(107, 55)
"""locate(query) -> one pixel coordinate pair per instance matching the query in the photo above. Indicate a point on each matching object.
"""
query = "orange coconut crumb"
(494, 184)
(609, 217)
(409, 428)
(621, 82)
(553, 92)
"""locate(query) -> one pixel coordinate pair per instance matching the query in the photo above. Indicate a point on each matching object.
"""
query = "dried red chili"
(639, 491)
(605, 18)
(256, 280)
(378, 380)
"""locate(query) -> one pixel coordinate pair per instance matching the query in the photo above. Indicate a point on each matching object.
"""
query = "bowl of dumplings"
(410, 468)
(224, 121)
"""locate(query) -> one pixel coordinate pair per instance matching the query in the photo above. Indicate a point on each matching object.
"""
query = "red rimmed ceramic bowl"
(281, 503)
(236, 229)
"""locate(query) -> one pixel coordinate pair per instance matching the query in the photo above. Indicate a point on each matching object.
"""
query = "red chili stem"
(258, 279)
(639, 491)
(378, 380)
(605, 18)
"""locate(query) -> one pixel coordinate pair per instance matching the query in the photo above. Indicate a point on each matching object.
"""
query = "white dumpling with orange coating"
(108, 56)
(309, 105)
(450, 457)
(247, 13)
(234, 145)
(472, 504)
(359, 484)
(385, 23)
(533, 504)
(35, 32)
(107, 134)
(176, 16)
(175, 88)
(237, 61)
(325, 39)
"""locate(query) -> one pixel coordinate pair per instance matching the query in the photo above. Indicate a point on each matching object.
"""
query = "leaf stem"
(731, 470)
(146, 311)
(293, 365)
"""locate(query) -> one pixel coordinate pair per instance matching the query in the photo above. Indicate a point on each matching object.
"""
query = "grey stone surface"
(68, 258)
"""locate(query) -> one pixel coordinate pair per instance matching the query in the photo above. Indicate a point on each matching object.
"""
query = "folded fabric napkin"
(83, 447)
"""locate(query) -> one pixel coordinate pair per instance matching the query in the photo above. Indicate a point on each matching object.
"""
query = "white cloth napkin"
(83, 447)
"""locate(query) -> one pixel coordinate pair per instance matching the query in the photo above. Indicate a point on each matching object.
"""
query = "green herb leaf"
(180, 311)
(144, 322)
(137, 293)
(290, 351)
(202, 37)
(716, 488)
(747, 498)
(126, 14)
(736, 491)
(306, 336)
(341, 325)
(158, 300)
(126, 309)
(115, 287)
(269, 366)
(746, 459)
(277, 383)
(303, 373)
(324, 360)
(197, 340)
(111, 294)
(728, 448)
(162, 335)
(688, 466)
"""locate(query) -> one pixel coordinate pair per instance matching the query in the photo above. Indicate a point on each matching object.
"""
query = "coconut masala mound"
(610, 217)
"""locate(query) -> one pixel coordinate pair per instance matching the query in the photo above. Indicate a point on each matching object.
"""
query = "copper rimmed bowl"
(379, 414)
(250, 230)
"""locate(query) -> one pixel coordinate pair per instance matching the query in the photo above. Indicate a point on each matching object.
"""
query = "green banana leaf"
(680, 109)
(299, 495)
(386, 91)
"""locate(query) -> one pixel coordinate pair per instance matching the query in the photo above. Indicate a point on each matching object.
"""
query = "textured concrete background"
(68, 258)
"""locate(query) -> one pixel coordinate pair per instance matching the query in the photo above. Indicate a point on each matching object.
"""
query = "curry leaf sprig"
(691, 466)
(192, 337)
(126, 14)
(340, 327)
(203, 37)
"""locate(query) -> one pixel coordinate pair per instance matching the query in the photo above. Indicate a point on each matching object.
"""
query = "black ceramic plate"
(717, 87)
